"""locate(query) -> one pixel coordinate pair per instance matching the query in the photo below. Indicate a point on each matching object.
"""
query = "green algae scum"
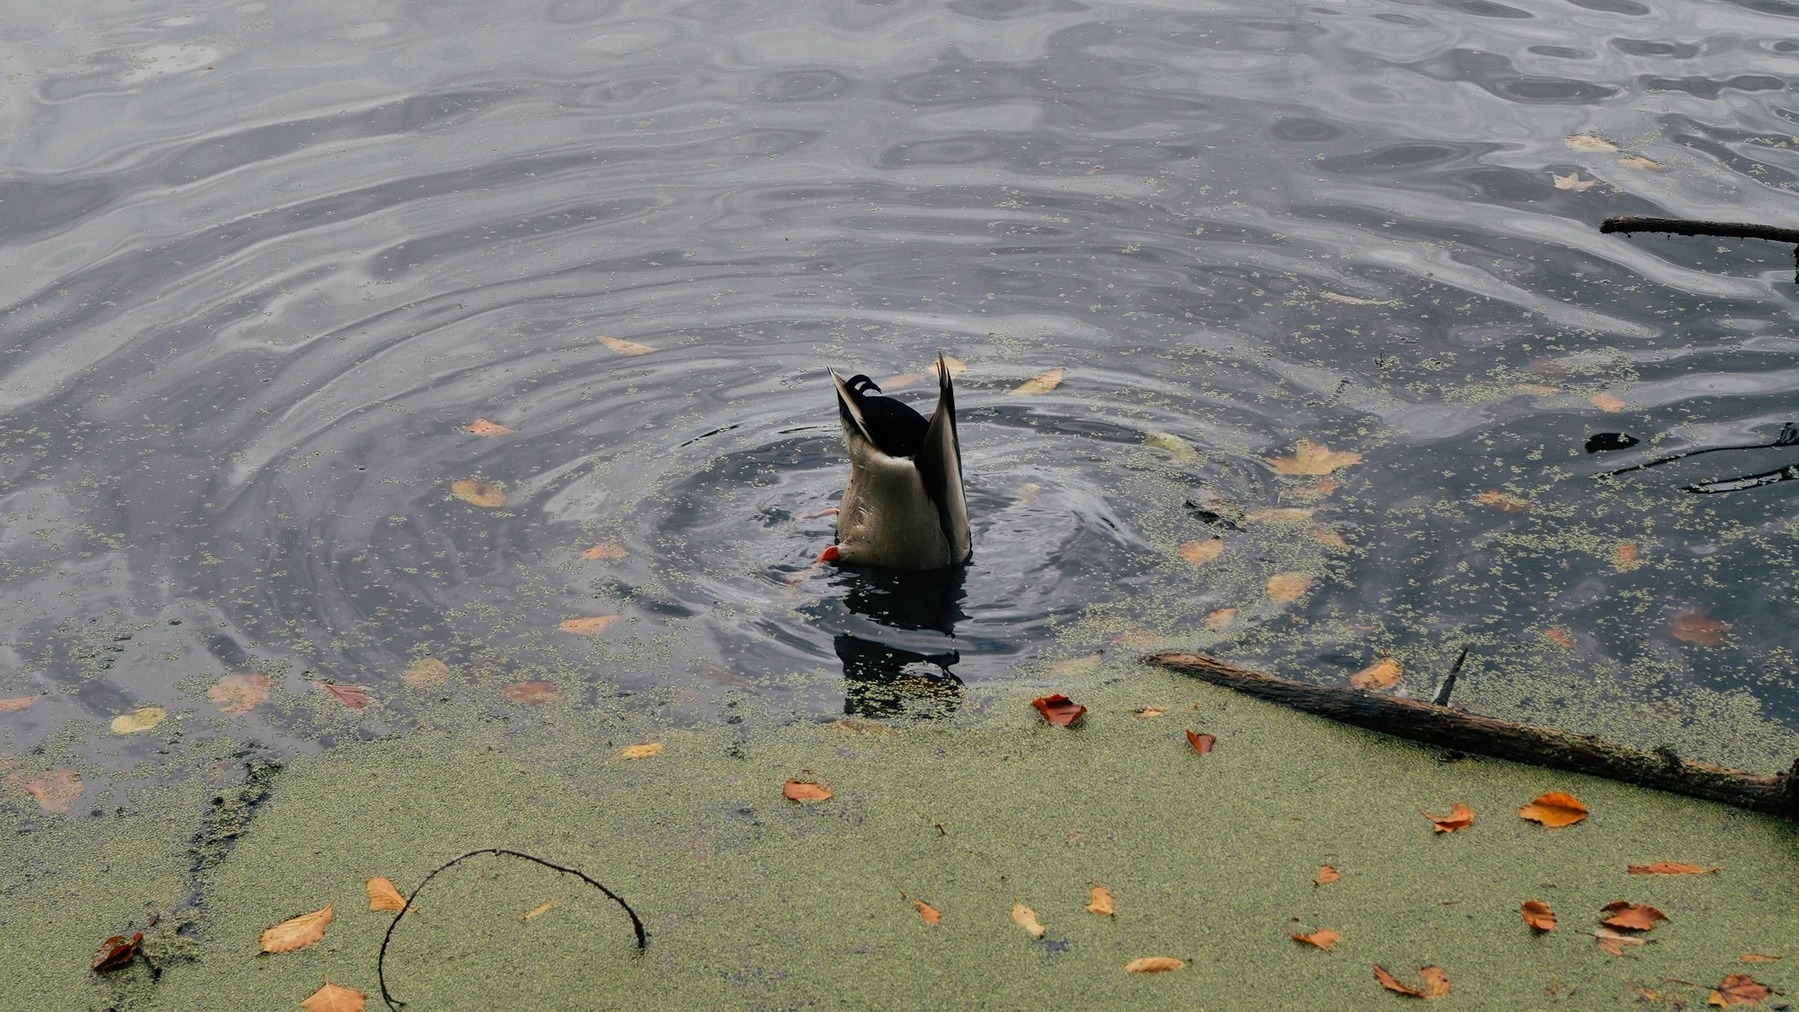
(752, 901)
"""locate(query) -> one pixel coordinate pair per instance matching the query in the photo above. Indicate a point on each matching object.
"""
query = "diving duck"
(904, 506)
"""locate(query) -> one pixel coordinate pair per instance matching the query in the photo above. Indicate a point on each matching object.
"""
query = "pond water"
(266, 263)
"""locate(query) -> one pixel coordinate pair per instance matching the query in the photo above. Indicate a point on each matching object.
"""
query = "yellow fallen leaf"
(1039, 384)
(605, 551)
(240, 693)
(1572, 181)
(1555, 810)
(1313, 458)
(1606, 402)
(1026, 918)
(1201, 552)
(297, 932)
(1280, 515)
(333, 998)
(488, 494)
(538, 911)
(1503, 501)
(1284, 588)
(1639, 162)
(384, 895)
(17, 703)
(624, 347)
(1101, 902)
(1590, 142)
(1221, 619)
(643, 751)
(426, 673)
(1153, 964)
(592, 625)
(492, 430)
(956, 366)
(141, 719)
(1382, 674)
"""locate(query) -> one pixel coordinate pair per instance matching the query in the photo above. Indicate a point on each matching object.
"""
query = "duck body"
(904, 506)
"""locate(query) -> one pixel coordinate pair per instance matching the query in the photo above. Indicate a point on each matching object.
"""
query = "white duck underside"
(885, 518)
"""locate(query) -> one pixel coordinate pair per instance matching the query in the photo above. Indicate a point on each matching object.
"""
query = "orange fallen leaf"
(1279, 515)
(931, 914)
(1329, 539)
(116, 952)
(592, 625)
(1026, 918)
(1538, 915)
(607, 550)
(1149, 713)
(17, 703)
(1202, 743)
(1382, 674)
(643, 751)
(353, 696)
(1323, 938)
(426, 673)
(1757, 957)
(1503, 501)
(384, 895)
(55, 790)
(1615, 942)
(1436, 982)
(1738, 989)
(1639, 162)
(801, 791)
(488, 494)
(1632, 916)
(492, 430)
(537, 911)
(1606, 402)
(1669, 868)
(333, 998)
(240, 693)
(1040, 384)
(1059, 709)
(1626, 557)
(532, 693)
(1695, 626)
(1220, 620)
(141, 719)
(1100, 901)
(297, 932)
(1460, 817)
(1153, 964)
(1284, 588)
(1561, 638)
(1201, 552)
(624, 347)
(1313, 458)
(1326, 875)
(1554, 810)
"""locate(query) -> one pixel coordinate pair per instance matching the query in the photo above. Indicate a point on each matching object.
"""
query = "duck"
(904, 507)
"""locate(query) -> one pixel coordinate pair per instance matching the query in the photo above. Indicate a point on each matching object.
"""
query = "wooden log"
(1502, 739)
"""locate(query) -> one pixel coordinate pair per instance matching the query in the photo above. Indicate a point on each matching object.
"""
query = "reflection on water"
(264, 265)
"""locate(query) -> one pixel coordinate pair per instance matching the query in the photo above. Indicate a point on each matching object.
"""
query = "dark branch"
(1692, 226)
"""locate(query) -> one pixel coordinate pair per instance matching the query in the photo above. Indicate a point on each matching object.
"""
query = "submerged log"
(1503, 739)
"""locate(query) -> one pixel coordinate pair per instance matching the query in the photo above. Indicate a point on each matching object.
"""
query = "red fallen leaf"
(353, 696)
(1554, 810)
(1632, 916)
(1436, 982)
(1538, 915)
(116, 952)
(1738, 989)
(1059, 709)
(1669, 868)
(1460, 817)
(1202, 743)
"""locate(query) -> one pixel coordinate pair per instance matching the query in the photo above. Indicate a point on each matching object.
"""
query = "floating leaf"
(1323, 938)
(1626, 557)
(930, 913)
(1202, 743)
(353, 696)
(1639, 162)
(1560, 637)
(1696, 627)
(1738, 989)
(606, 550)
(1538, 915)
(1757, 957)
(1174, 445)
(1572, 181)
(1329, 539)
(491, 430)
(426, 673)
(803, 790)
(1669, 868)
(1026, 918)
(1554, 810)
(1285, 588)
(624, 347)
(17, 703)
(1436, 982)
(240, 693)
(1614, 942)
(1460, 817)
(55, 790)
(1503, 501)
(592, 625)
(116, 952)
(297, 932)
(955, 366)
(333, 998)
(532, 693)
(1059, 709)
(488, 494)
(1606, 402)
(1382, 674)
(1220, 620)
(1313, 458)
(1040, 384)
(1153, 964)
(1201, 552)
(1632, 916)
(1353, 300)
(141, 719)
(1280, 515)
(1590, 142)
(1100, 901)
(1326, 875)
(1148, 713)
(643, 751)
(537, 911)
(384, 895)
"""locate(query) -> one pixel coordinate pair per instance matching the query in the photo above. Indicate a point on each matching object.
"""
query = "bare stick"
(1692, 226)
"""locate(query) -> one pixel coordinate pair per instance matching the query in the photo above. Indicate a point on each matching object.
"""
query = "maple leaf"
(1313, 458)
(1059, 709)
(608, 550)
(491, 430)
(1615, 942)
(486, 494)
(1460, 817)
(1153, 964)
(1026, 918)
(1538, 915)
(1632, 916)
(1285, 588)
(353, 696)
(643, 751)
(1572, 181)
(1201, 552)
(1738, 989)
(1382, 674)
(1326, 875)
(297, 932)
(1554, 810)
(384, 895)
(592, 625)
(332, 998)
(240, 693)
(624, 347)
(532, 693)
(116, 952)
(141, 719)
(1101, 901)
(800, 791)
(1323, 938)
(426, 673)
(1695, 626)
(1436, 982)
(1669, 868)
(1040, 384)
(1202, 743)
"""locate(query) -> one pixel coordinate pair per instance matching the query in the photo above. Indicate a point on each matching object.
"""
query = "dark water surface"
(265, 262)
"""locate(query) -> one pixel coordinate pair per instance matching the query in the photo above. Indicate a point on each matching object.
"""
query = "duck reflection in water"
(898, 651)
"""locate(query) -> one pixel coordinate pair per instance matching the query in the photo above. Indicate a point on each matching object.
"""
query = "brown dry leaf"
(1313, 458)
(1626, 557)
(1639, 162)
(1326, 875)
(489, 429)
(1538, 915)
(384, 895)
(17, 703)
(1614, 942)
(1148, 713)
(1436, 982)
(605, 550)
(1201, 552)
(1323, 938)
(1757, 957)
(1696, 627)
(1220, 620)
(426, 673)
(353, 696)
(1606, 402)
(1504, 501)
(1590, 142)
(1572, 181)
(1202, 743)
(1059, 709)
(1738, 989)
(1280, 515)
(1153, 964)
(1040, 384)
(297, 932)
(1026, 918)
(1460, 817)
(1554, 810)
(1561, 638)
(1643, 993)
(1285, 588)
(141, 719)
(55, 790)
(624, 347)
(532, 693)
(955, 365)
(1632, 916)
(1382, 674)
(1669, 868)
(488, 494)
(931, 914)
(1100, 901)
(592, 625)
(240, 693)
(1330, 539)
(537, 911)
(116, 953)
(803, 790)
(332, 998)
